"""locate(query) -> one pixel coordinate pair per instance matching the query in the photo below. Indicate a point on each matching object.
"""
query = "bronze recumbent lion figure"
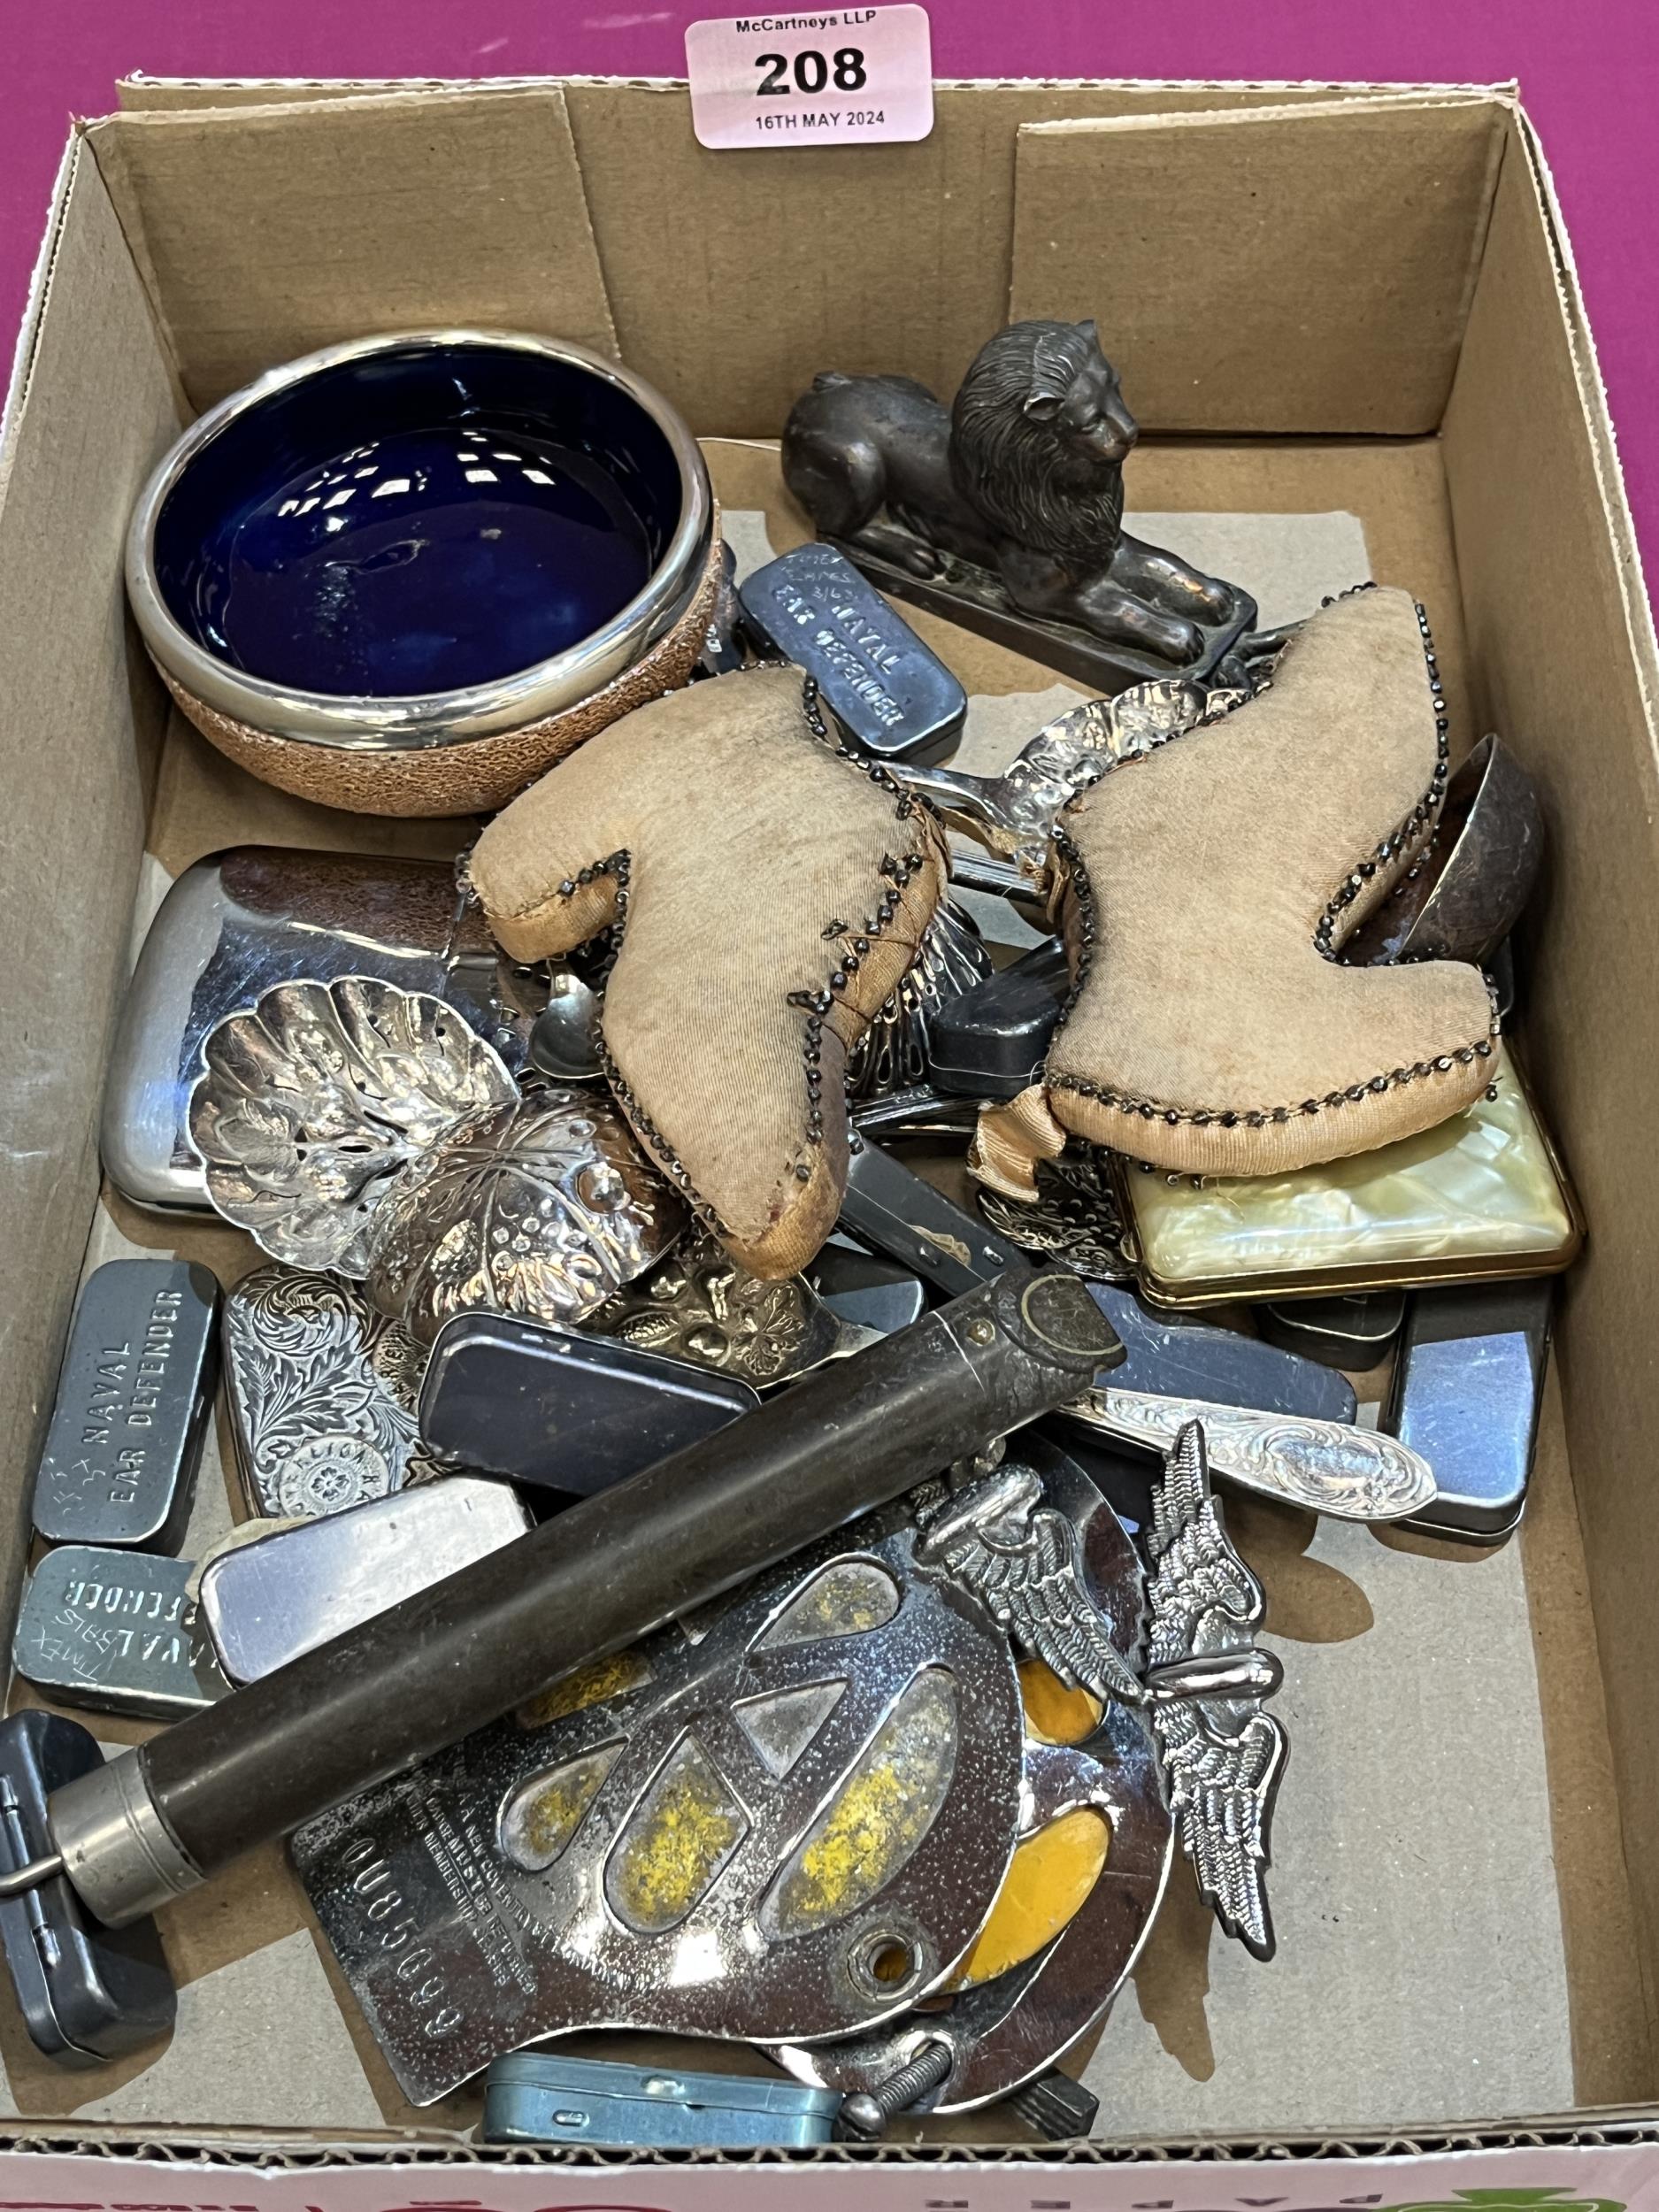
(1006, 512)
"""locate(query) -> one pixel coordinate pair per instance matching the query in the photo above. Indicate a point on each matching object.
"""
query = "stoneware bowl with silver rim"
(406, 573)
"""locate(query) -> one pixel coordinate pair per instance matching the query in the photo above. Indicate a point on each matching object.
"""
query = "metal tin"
(544, 2097)
(567, 1413)
(1354, 1329)
(133, 1399)
(264, 1603)
(894, 698)
(368, 723)
(990, 1041)
(242, 920)
(87, 1993)
(1468, 1383)
(115, 1632)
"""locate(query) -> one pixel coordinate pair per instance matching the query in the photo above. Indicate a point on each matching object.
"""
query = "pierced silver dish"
(314, 1100)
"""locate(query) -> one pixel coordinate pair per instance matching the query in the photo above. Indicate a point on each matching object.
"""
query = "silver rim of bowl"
(368, 723)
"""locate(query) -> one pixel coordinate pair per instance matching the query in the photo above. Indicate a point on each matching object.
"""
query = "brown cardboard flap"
(1562, 647)
(737, 276)
(265, 232)
(1337, 242)
(80, 730)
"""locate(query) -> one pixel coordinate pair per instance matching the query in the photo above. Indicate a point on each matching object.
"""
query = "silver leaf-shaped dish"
(544, 1208)
(313, 1102)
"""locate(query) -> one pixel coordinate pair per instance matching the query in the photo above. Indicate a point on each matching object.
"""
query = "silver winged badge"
(1019, 1558)
(1206, 1681)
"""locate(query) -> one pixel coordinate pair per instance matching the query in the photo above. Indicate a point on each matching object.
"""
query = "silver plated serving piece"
(892, 1054)
(356, 373)
(544, 1206)
(700, 1306)
(239, 921)
(1206, 1682)
(321, 1393)
(1073, 1219)
(786, 1819)
(1014, 814)
(980, 2042)
(1352, 1473)
(312, 1102)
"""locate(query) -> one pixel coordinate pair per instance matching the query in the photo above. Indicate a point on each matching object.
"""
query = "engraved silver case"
(321, 1393)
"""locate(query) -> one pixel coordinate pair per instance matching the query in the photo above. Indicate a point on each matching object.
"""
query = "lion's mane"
(1010, 465)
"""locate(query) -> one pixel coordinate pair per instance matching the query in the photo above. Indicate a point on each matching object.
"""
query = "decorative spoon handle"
(1327, 1466)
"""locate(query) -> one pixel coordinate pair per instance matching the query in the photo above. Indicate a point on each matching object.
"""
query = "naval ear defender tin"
(133, 1398)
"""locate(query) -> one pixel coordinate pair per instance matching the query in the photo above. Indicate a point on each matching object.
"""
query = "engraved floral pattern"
(322, 1394)
(1074, 1219)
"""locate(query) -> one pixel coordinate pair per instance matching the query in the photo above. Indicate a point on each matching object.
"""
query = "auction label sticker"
(824, 78)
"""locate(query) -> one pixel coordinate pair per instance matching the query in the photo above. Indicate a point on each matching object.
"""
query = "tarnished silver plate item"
(544, 1208)
(892, 1054)
(321, 1391)
(791, 1827)
(313, 1103)
(1074, 1219)
(115, 1632)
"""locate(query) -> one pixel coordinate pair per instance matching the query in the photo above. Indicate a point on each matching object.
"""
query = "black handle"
(390, 1692)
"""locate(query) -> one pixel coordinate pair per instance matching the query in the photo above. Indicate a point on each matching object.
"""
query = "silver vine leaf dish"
(892, 1054)
(321, 1393)
(543, 1208)
(700, 1307)
(313, 1102)
(1074, 1219)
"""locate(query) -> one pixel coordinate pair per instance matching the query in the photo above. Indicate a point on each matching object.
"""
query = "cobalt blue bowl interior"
(416, 521)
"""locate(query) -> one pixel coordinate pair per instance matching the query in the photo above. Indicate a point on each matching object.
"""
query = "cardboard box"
(1345, 300)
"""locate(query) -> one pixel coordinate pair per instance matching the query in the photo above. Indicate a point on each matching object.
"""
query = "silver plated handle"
(1354, 1474)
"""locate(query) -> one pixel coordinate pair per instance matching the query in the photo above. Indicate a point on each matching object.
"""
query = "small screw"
(981, 1332)
(867, 2113)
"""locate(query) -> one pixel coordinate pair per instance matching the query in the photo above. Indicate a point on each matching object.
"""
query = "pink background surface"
(1588, 69)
